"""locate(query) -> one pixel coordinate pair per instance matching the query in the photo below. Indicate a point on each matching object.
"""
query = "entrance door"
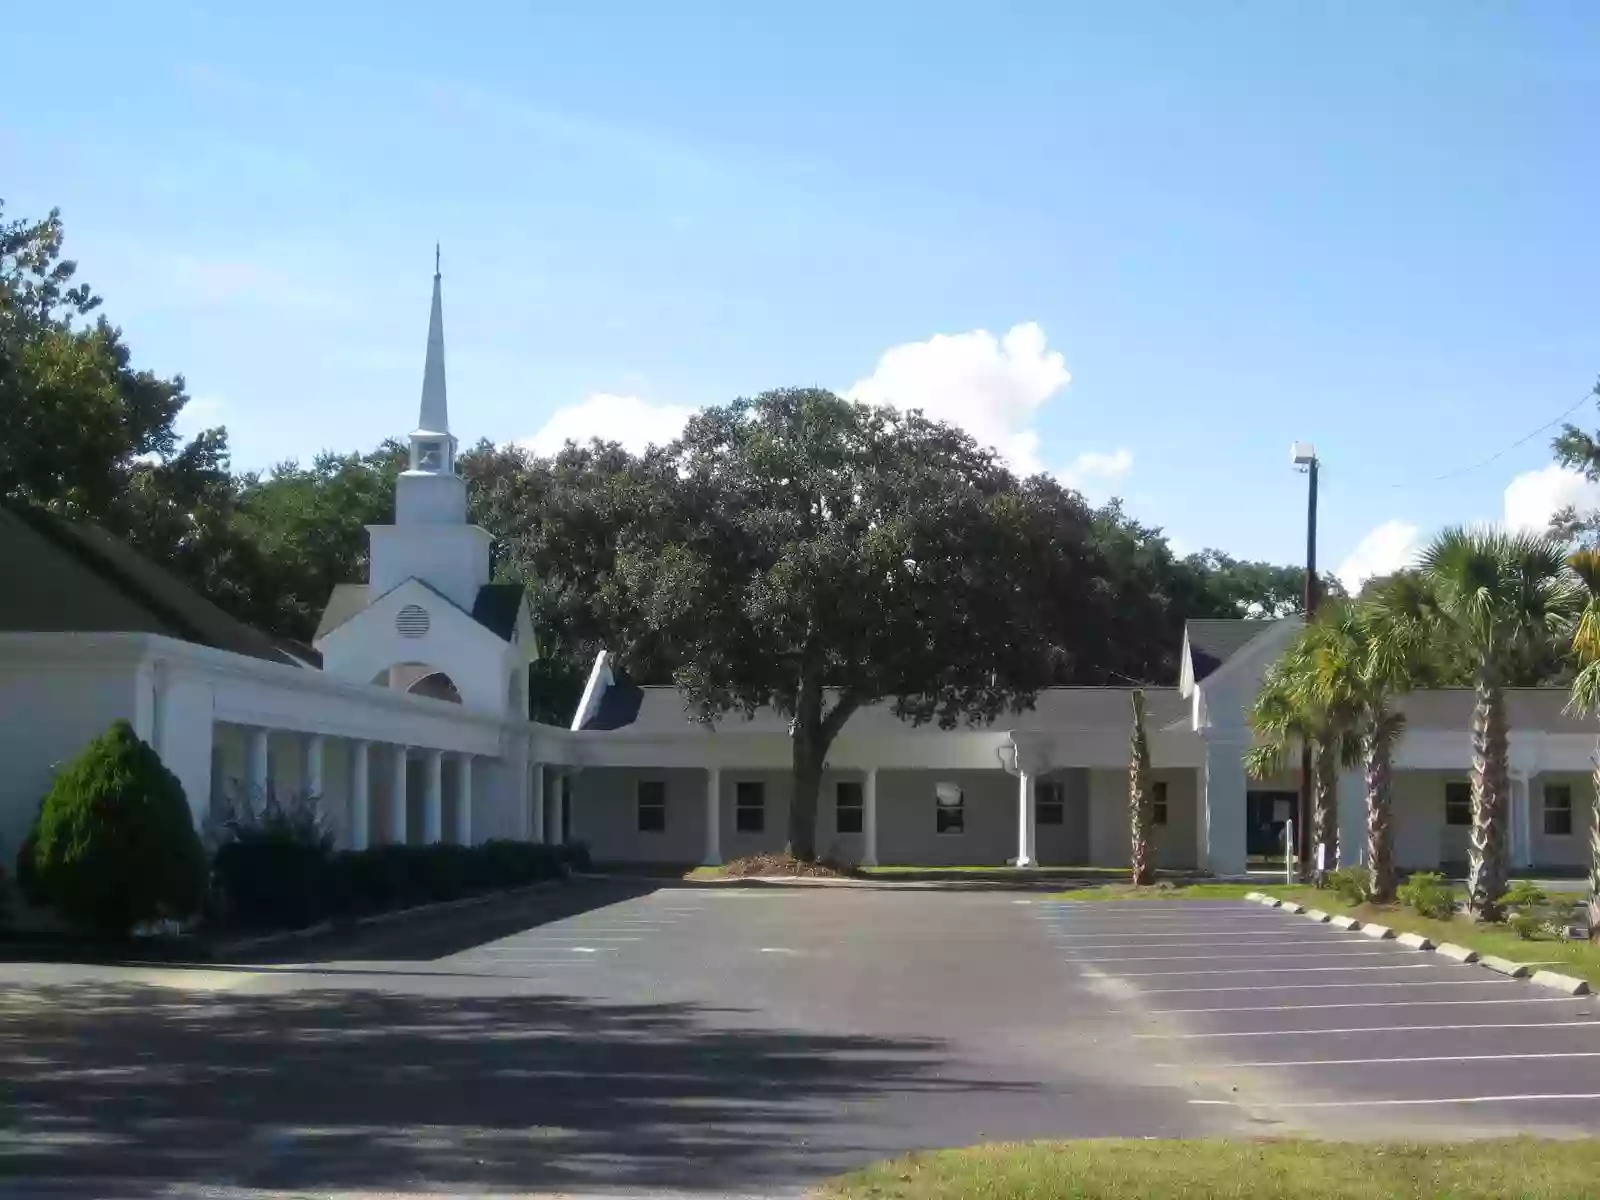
(1265, 816)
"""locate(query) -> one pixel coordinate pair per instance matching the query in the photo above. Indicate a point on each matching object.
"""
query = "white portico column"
(397, 797)
(314, 756)
(433, 798)
(1025, 819)
(558, 806)
(713, 854)
(256, 766)
(360, 795)
(1519, 848)
(869, 818)
(536, 803)
(464, 800)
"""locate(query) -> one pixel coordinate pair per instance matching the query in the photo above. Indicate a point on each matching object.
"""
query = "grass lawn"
(1247, 1170)
(1572, 958)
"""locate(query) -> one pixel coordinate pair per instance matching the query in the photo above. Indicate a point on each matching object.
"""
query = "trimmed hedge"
(266, 882)
(114, 843)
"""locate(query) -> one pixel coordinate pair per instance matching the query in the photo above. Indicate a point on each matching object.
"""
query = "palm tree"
(1503, 598)
(1585, 565)
(1288, 709)
(1139, 815)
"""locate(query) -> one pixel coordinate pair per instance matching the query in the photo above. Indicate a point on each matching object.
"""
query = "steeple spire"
(435, 416)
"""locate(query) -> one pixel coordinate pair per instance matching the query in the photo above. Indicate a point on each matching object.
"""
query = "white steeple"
(435, 416)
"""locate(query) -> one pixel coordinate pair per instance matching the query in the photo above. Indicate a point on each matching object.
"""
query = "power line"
(1504, 450)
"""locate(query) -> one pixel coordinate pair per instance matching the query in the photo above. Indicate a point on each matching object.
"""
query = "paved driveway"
(601, 1038)
(1275, 1016)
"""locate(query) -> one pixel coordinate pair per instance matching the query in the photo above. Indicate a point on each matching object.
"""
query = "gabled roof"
(661, 709)
(495, 607)
(77, 578)
(1212, 642)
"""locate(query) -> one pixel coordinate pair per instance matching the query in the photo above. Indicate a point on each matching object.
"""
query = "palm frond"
(1585, 698)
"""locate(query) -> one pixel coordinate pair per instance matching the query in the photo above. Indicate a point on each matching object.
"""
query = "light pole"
(1304, 457)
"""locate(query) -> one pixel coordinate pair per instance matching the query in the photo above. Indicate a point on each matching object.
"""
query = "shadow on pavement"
(320, 1089)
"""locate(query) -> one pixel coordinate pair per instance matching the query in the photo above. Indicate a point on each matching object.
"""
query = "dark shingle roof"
(1214, 642)
(660, 709)
(75, 578)
(495, 607)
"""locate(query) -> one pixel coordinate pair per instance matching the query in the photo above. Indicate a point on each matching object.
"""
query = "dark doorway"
(1265, 814)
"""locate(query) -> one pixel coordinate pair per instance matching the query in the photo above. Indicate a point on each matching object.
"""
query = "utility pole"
(1305, 456)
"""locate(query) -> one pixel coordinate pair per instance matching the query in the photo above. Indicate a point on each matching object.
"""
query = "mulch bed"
(782, 865)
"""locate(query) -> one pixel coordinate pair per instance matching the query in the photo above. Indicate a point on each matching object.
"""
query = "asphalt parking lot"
(1284, 1018)
(612, 1037)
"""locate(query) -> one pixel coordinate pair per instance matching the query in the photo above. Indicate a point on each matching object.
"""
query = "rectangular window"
(950, 808)
(1558, 809)
(652, 806)
(1049, 803)
(749, 807)
(1458, 803)
(1158, 802)
(847, 807)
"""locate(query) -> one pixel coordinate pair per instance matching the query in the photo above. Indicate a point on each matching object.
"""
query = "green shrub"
(115, 843)
(1527, 909)
(272, 867)
(1353, 885)
(1429, 894)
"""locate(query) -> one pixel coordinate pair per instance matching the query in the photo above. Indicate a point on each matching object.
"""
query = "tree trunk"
(1139, 798)
(806, 784)
(1486, 882)
(1325, 817)
(1380, 827)
(1594, 853)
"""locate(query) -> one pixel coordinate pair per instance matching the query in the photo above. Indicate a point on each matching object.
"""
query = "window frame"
(1160, 804)
(641, 805)
(1050, 795)
(1457, 787)
(857, 806)
(942, 811)
(1567, 810)
(742, 808)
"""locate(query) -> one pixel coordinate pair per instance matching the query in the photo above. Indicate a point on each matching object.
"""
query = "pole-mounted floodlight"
(1303, 454)
(1304, 457)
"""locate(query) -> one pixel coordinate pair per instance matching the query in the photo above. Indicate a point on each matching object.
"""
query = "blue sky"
(1368, 225)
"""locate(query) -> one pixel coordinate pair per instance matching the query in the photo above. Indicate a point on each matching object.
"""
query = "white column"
(397, 798)
(256, 767)
(713, 836)
(558, 804)
(1225, 790)
(1025, 820)
(360, 795)
(433, 798)
(869, 818)
(314, 755)
(464, 800)
(536, 804)
(1519, 823)
(1352, 818)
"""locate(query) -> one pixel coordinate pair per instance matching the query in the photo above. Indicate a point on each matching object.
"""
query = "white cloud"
(1390, 546)
(1534, 497)
(634, 422)
(199, 414)
(991, 387)
(1090, 472)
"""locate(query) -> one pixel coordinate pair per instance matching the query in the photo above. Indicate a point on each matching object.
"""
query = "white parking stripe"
(1516, 1099)
(1439, 1058)
(1288, 938)
(1305, 987)
(1252, 1008)
(1300, 1033)
(1276, 971)
(1357, 951)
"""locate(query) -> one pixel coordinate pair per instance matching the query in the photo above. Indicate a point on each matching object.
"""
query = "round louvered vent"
(411, 621)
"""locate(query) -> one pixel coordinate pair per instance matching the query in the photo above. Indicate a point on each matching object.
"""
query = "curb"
(1414, 941)
(239, 945)
(1562, 983)
(1459, 953)
(1504, 966)
(1289, 906)
(1316, 914)
(1377, 931)
(1345, 922)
